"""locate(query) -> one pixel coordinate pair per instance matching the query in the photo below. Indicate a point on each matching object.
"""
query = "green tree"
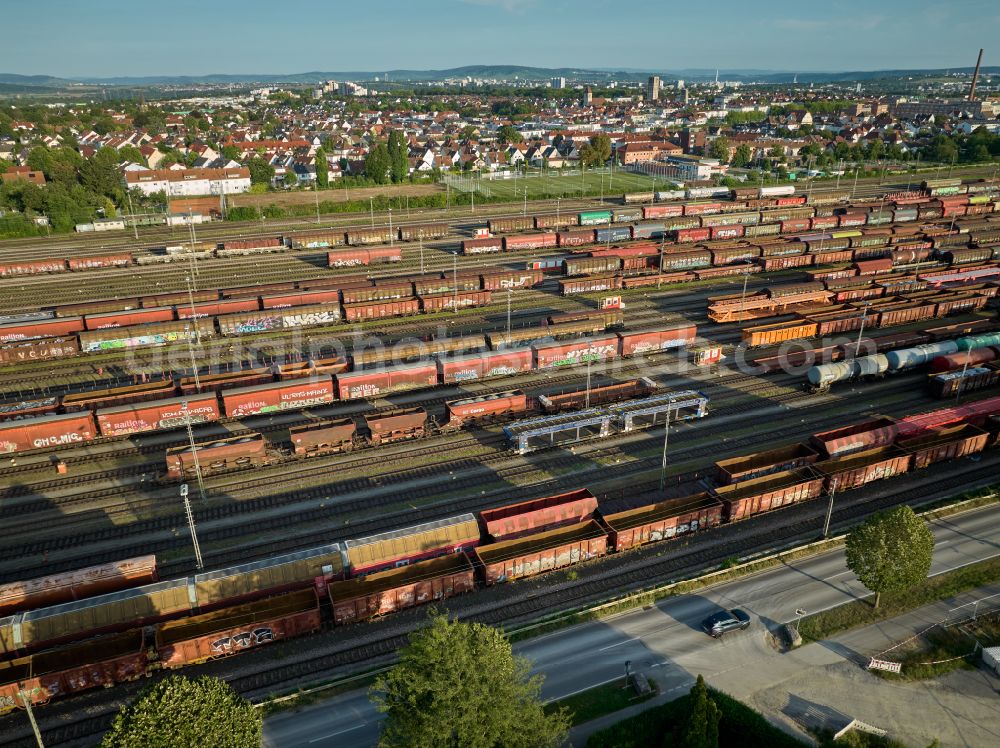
(378, 164)
(742, 156)
(290, 179)
(891, 551)
(104, 125)
(508, 134)
(459, 684)
(702, 728)
(181, 712)
(131, 153)
(399, 165)
(597, 151)
(469, 132)
(230, 153)
(720, 149)
(322, 170)
(261, 172)
(100, 174)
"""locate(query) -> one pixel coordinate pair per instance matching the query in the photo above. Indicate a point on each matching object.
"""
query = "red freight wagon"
(759, 464)
(502, 280)
(877, 432)
(128, 318)
(485, 407)
(860, 468)
(365, 384)
(339, 258)
(457, 300)
(796, 224)
(946, 444)
(104, 661)
(74, 585)
(757, 495)
(577, 238)
(178, 298)
(636, 343)
(734, 254)
(556, 355)
(733, 231)
(165, 414)
(38, 349)
(516, 520)
(236, 452)
(46, 328)
(482, 246)
(518, 242)
(46, 432)
(323, 438)
(824, 222)
(96, 307)
(697, 209)
(100, 261)
(396, 425)
(662, 211)
(785, 262)
(261, 288)
(231, 630)
(215, 308)
(13, 269)
(534, 554)
(383, 292)
(483, 365)
(279, 301)
(692, 235)
(874, 267)
(290, 394)
(662, 521)
(135, 393)
(381, 310)
(396, 589)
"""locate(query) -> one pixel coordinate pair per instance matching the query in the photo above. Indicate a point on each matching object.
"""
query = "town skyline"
(846, 36)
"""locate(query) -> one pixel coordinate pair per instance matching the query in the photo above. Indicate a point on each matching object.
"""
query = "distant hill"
(477, 71)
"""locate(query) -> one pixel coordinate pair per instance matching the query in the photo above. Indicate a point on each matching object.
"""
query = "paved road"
(665, 640)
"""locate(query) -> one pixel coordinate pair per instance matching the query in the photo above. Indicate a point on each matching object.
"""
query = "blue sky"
(187, 37)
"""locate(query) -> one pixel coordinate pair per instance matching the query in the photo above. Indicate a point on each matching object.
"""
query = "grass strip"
(861, 613)
(598, 701)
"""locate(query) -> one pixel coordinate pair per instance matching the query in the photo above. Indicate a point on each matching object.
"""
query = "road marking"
(618, 644)
(827, 579)
(341, 732)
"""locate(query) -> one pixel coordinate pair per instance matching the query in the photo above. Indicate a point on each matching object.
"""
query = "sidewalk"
(826, 683)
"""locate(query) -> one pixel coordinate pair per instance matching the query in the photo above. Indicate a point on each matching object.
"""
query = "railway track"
(152, 237)
(312, 507)
(296, 662)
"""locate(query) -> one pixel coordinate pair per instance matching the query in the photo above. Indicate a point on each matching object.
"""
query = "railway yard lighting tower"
(26, 700)
(454, 280)
(190, 519)
(666, 441)
(371, 209)
(829, 509)
(390, 227)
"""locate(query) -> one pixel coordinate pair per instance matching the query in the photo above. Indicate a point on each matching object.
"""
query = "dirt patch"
(336, 196)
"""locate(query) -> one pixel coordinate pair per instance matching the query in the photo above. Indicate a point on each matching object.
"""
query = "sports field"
(555, 185)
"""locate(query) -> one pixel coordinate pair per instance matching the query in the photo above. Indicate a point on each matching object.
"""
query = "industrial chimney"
(975, 77)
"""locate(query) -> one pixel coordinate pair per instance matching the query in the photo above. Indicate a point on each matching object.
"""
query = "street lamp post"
(390, 228)
(861, 331)
(371, 209)
(454, 265)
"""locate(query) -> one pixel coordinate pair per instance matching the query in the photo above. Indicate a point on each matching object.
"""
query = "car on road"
(725, 621)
